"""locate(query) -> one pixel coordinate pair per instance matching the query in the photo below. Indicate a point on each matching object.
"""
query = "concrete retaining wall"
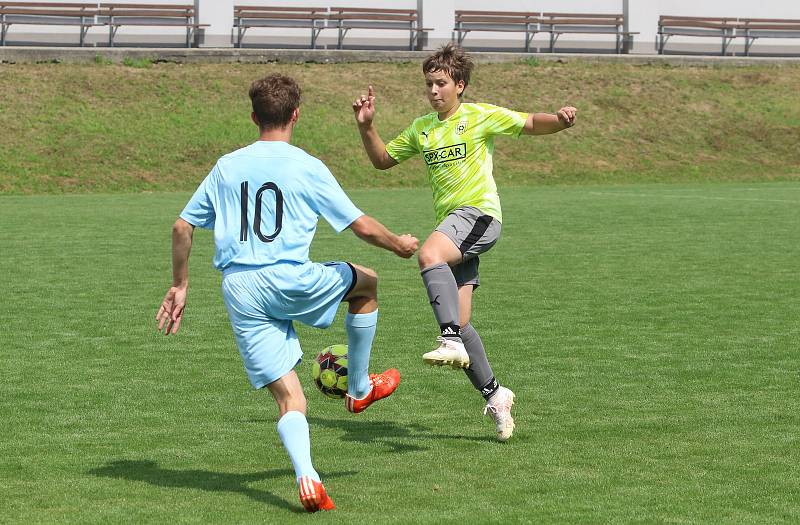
(28, 55)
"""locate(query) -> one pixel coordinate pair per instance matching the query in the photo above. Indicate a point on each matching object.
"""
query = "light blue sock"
(360, 333)
(293, 429)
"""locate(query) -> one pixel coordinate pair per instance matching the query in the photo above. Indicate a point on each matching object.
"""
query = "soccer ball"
(330, 371)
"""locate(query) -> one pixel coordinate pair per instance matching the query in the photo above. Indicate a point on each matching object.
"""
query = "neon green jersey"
(458, 152)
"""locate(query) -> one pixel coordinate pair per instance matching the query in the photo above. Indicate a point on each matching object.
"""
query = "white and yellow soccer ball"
(330, 371)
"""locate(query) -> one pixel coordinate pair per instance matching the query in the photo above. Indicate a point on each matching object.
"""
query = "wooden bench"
(558, 24)
(81, 15)
(500, 21)
(247, 17)
(346, 18)
(531, 23)
(723, 28)
(162, 15)
(753, 28)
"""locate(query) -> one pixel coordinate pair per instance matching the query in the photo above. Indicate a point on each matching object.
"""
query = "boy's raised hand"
(364, 108)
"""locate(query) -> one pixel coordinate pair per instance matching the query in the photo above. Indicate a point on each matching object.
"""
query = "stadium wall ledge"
(70, 55)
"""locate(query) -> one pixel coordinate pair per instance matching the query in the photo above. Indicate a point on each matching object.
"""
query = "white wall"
(541, 41)
(555, 6)
(219, 16)
(644, 18)
(438, 15)
(98, 35)
(327, 38)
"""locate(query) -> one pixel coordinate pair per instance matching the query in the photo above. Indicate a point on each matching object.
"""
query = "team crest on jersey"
(461, 127)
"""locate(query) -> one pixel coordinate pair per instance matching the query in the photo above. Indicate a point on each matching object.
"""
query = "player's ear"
(254, 118)
(295, 114)
(460, 87)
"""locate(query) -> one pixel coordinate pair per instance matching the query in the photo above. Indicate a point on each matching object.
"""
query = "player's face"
(443, 92)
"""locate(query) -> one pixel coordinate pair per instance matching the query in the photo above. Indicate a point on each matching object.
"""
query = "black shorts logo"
(445, 154)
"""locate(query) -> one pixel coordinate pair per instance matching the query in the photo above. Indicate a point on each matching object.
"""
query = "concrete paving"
(67, 55)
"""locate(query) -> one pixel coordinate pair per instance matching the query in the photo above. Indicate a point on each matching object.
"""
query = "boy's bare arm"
(376, 149)
(364, 110)
(370, 230)
(547, 123)
(170, 313)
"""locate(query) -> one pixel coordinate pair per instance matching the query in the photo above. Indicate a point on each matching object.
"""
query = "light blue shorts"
(263, 302)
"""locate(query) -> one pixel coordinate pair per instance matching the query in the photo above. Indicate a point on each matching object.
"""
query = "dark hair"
(452, 60)
(274, 99)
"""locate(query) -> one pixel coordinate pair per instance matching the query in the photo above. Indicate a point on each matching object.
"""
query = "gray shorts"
(474, 233)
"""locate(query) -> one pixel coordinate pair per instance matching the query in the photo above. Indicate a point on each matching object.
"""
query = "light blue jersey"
(264, 201)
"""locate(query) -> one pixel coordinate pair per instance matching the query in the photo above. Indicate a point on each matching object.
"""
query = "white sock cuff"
(361, 320)
(290, 416)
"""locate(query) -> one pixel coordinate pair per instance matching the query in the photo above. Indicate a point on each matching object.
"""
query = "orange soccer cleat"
(382, 386)
(313, 495)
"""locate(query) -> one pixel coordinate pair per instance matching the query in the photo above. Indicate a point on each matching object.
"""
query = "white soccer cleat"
(450, 353)
(499, 406)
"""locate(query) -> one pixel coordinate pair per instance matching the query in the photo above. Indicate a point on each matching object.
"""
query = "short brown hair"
(452, 60)
(274, 99)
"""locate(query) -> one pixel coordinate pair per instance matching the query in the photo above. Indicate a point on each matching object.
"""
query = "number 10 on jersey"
(267, 186)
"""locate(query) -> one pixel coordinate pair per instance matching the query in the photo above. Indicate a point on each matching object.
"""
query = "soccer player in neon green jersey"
(456, 142)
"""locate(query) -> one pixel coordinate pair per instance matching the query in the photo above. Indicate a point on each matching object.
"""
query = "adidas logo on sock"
(490, 388)
(448, 331)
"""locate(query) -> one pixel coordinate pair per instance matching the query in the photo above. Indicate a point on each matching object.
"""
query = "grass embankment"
(117, 128)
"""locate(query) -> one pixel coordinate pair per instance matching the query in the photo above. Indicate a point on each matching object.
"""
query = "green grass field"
(650, 332)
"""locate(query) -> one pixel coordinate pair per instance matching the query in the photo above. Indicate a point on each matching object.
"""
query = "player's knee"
(370, 278)
(424, 259)
(369, 273)
(429, 256)
(366, 283)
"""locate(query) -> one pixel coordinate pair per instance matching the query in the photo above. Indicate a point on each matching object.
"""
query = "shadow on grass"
(390, 434)
(395, 437)
(149, 472)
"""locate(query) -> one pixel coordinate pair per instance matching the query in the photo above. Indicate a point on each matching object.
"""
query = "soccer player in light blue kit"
(263, 202)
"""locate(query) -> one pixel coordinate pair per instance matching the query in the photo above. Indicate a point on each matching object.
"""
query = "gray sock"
(443, 296)
(479, 372)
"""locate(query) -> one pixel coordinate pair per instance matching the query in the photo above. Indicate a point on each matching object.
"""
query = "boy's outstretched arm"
(370, 230)
(546, 123)
(364, 110)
